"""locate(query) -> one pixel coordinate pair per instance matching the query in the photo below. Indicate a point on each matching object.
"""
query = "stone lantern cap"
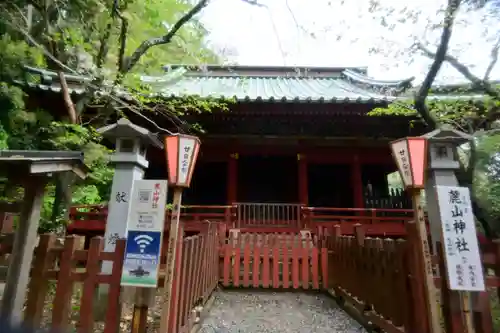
(34, 162)
(447, 134)
(125, 129)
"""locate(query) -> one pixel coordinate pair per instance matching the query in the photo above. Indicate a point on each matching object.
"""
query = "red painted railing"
(278, 260)
(376, 222)
(92, 218)
(260, 217)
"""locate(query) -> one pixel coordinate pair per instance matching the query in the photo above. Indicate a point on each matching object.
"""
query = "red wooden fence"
(53, 263)
(381, 279)
(372, 275)
(272, 261)
(376, 222)
(198, 276)
(91, 219)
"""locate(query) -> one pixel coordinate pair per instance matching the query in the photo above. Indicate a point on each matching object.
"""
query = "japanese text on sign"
(186, 151)
(121, 197)
(402, 157)
(145, 223)
(463, 261)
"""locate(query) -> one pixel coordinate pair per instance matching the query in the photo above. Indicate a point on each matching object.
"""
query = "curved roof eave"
(356, 76)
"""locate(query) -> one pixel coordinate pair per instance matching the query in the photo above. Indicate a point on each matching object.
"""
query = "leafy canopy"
(95, 38)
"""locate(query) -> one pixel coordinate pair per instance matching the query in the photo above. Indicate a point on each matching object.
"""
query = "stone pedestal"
(131, 143)
(442, 161)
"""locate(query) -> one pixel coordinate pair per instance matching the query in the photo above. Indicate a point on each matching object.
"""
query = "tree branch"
(30, 40)
(165, 39)
(35, 5)
(255, 3)
(462, 69)
(103, 42)
(423, 92)
(494, 59)
(67, 98)
(123, 42)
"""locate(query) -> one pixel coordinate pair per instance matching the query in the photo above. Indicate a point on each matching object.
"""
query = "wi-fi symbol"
(143, 241)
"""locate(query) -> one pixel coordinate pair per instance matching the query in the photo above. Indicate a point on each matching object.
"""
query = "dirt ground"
(280, 312)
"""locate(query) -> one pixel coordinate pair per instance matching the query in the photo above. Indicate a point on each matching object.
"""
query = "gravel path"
(282, 312)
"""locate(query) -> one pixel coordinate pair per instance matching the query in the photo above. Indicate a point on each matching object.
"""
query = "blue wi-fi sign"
(143, 242)
(142, 258)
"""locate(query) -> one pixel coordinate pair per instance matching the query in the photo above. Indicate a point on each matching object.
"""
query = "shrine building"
(296, 146)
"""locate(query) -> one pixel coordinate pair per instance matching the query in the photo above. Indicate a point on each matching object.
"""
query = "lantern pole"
(443, 161)
(410, 156)
(173, 238)
(425, 261)
(182, 152)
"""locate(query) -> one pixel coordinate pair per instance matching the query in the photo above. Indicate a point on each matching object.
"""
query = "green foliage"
(187, 47)
(14, 55)
(477, 117)
(92, 38)
(487, 178)
(460, 113)
(37, 130)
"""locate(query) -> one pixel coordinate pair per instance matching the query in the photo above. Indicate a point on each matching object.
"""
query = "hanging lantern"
(182, 152)
(410, 155)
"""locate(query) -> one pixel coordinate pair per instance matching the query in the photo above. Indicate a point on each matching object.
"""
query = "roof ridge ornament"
(367, 79)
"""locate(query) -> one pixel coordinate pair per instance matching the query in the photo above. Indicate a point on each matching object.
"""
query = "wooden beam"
(232, 178)
(14, 296)
(10, 207)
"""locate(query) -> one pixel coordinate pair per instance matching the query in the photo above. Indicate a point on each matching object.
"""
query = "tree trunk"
(63, 193)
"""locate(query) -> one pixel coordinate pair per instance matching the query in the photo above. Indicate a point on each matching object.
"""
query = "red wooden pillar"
(232, 178)
(357, 183)
(303, 184)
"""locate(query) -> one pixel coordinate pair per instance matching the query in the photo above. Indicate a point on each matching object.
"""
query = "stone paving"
(280, 312)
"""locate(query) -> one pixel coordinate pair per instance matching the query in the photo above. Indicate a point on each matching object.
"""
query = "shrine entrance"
(267, 179)
(329, 185)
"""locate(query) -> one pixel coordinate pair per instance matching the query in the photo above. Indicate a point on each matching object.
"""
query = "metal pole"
(143, 299)
(467, 310)
(171, 256)
(426, 264)
(139, 319)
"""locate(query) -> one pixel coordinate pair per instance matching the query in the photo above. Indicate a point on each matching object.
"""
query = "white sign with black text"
(402, 157)
(461, 248)
(186, 151)
(145, 224)
(147, 205)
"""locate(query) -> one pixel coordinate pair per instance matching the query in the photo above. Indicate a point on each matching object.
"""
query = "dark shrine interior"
(268, 179)
(329, 185)
(274, 179)
(208, 186)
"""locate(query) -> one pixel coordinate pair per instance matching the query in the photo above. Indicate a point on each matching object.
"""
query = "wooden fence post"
(214, 257)
(403, 285)
(416, 308)
(323, 257)
(359, 236)
(92, 267)
(483, 321)
(172, 312)
(64, 289)
(481, 313)
(333, 252)
(452, 313)
(113, 311)
(37, 288)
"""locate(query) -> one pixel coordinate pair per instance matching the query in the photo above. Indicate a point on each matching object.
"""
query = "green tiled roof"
(266, 84)
(270, 89)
